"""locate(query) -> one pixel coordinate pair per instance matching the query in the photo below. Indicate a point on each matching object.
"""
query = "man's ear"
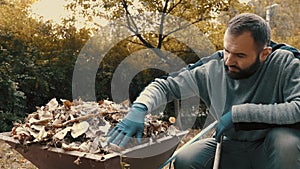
(265, 53)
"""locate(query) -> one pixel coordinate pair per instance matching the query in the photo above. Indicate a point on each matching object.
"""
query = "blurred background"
(41, 40)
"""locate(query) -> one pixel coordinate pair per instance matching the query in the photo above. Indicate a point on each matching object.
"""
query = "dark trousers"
(279, 150)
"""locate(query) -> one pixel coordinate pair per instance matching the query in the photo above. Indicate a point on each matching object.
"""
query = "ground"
(11, 159)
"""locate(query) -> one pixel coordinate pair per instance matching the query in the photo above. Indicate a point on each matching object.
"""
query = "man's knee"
(283, 139)
(282, 147)
(182, 161)
(199, 155)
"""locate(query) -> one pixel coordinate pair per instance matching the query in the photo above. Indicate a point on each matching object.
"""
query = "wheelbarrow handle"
(218, 154)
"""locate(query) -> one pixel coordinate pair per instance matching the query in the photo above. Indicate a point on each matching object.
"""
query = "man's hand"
(132, 124)
(225, 124)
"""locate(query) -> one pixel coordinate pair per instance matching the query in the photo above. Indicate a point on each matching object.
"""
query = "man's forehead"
(242, 43)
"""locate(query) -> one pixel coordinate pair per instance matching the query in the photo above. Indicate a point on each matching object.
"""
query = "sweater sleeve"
(162, 91)
(280, 113)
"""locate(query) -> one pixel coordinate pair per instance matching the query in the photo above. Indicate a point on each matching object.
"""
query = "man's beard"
(243, 74)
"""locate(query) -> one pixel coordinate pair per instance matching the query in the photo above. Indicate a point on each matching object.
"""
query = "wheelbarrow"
(146, 156)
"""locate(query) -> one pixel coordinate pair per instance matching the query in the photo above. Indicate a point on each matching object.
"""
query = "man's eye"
(240, 55)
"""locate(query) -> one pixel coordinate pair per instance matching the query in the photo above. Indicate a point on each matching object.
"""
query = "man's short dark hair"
(253, 23)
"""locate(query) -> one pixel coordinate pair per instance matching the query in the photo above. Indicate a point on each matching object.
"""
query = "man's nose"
(229, 59)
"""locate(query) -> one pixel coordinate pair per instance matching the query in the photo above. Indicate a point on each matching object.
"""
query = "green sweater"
(271, 95)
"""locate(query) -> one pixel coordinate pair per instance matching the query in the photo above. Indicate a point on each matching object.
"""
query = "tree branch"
(137, 43)
(174, 6)
(183, 27)
(130, 21)
(161, 28)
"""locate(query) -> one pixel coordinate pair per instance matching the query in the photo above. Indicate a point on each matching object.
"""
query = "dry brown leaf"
(61, 134)
(41, 135)
(79, 129)
(52, 105)
(87, 123)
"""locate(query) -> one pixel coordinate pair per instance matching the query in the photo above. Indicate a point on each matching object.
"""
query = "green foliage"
(12, 106)
(36, 61)
(13, 100)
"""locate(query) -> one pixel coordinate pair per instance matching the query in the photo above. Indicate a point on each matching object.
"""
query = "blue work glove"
(224, 125)
(131, 125)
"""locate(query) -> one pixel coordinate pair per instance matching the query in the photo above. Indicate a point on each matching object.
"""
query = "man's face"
(241, 57)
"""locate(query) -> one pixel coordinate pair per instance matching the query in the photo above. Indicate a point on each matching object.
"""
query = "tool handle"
(218, 154)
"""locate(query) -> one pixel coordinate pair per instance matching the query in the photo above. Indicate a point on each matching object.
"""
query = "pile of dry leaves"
(81, 125)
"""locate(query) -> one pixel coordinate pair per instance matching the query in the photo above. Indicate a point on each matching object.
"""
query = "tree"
(36, 61)
(195, 12)
(38, 57)
(284, 20)
(13, 100)
(158, 26)
(162, 20)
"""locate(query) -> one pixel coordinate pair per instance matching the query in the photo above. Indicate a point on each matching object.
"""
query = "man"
(255, 85)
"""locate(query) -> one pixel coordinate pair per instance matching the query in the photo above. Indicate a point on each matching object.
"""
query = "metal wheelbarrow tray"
(144, 156)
